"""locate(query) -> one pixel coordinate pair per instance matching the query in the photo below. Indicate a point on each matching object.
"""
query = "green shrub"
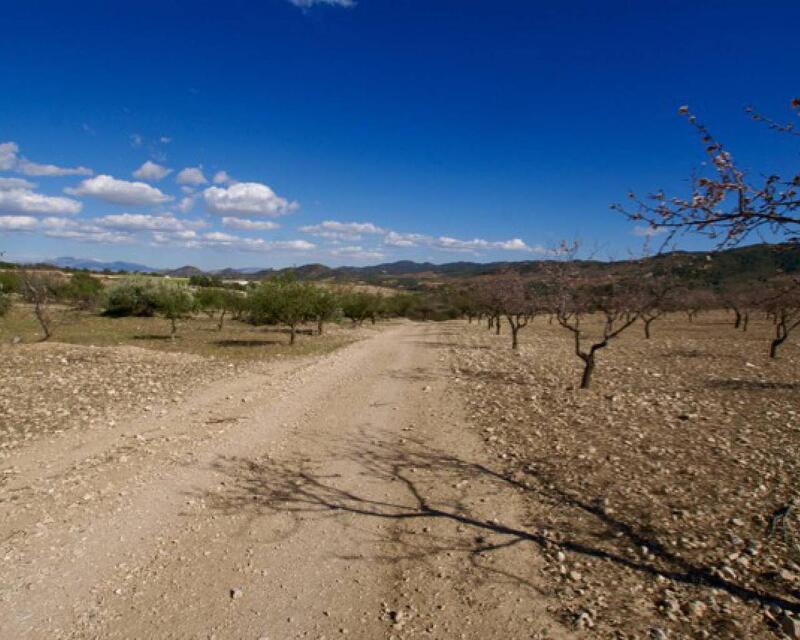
(83, 291)
(10, 282)
(132, 297)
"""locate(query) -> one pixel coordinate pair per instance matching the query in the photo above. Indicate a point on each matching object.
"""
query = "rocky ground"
(652, 493)
(52, 387)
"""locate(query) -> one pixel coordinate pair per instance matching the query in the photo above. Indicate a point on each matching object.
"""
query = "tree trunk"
(745, 320)
(291, 334)
(780, 335)
(174, 328)
(221, 320)
(738, 320)
(647, 328)
(497, 326)
(588, 369)
(44, 321)
(320, 324)
(489, 322)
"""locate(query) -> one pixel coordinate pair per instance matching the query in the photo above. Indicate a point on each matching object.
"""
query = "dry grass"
(199, 335)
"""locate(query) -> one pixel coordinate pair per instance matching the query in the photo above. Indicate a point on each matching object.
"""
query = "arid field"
(411, 479)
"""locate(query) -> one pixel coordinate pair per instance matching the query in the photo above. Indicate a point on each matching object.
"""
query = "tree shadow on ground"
(153, 336)
(234, 342)
(295, 487)
(752, 385)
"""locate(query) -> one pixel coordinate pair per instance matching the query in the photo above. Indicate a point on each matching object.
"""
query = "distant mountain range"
(752, 262)
(67, 262)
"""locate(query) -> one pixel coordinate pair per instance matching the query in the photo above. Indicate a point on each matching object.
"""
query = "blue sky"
(361, 132)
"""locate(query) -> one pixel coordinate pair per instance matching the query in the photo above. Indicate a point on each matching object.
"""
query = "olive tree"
(214, 300)
(282, 300)
(173, 301)
(325, 306)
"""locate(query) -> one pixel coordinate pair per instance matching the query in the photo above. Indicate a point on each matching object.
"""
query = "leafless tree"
(782, 304)
(515, 301)
(726, 204)
(617, 308)
(576, 304)
(41, 289)
(740, 299)
(655, 298)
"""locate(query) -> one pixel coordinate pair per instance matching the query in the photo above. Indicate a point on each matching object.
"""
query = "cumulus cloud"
(292, 245)
(64, 228)
(23, 200)
(186, 204)
(249, 198)
(89, 234)
(394, 239)
(477, 244)
(222, 177)
(221, 240)
(249, 225)
(357, 253)
(145, 222)
(152, 172)
(110, 189)
(333, 230)
(28, 168)
(8, 155)
(18, 223)
(15, 183)
(191, 175)
(11, 160)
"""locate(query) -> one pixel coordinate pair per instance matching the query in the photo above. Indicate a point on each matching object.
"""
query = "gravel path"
(315, 498)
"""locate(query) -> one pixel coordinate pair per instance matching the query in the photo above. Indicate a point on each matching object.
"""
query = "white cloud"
(394, 239)
(293, 245)
(10, 160)
(191, 175)
(333, 230)
(186, 204)
(305, 4)
(136, 140)
(145, 222)
(249, 198)
(151, 172)
(165, 139)
(357, 253)
(110, 189)
(8, 155)
(222, 177)
(15, 183)
(29, 168)
(18, 223)
(478, 244)
(648, 232)
(249, 225)
(24, 200)
(221, 240)
(89, 234)
(60, 223)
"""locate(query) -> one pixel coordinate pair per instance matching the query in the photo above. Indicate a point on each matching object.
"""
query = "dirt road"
(341, 495)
